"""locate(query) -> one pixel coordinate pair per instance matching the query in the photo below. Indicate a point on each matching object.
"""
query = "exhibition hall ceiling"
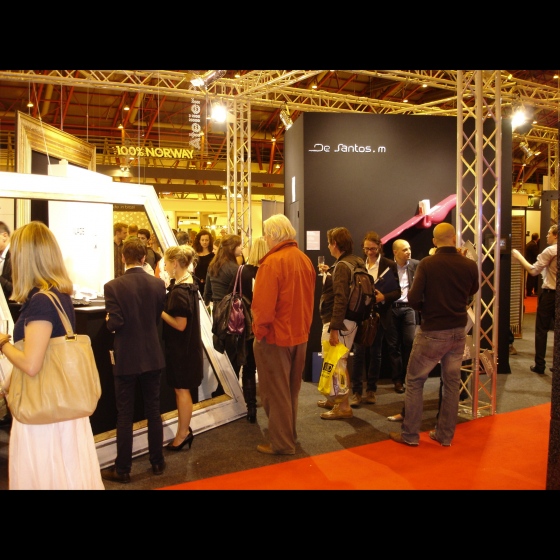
(91, 104)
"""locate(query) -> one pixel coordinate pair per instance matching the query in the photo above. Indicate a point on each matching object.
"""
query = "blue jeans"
(368, 359)
(429, 348)
(125, 387)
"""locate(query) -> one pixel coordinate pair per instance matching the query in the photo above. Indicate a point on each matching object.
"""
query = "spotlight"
(206, 79)
(521, 119)
(219, 113)
(285, 118)
(529, 154)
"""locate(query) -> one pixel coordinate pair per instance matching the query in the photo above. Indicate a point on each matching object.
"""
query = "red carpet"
(502, 452)
(530, 304)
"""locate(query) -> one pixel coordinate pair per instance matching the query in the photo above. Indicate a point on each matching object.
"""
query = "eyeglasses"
(368, 249)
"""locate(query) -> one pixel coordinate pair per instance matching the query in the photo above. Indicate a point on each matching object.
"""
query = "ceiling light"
(529, 154)
(522, 117)
(120, 125)
(285, 118)
(126, 108)
(219, 113)
(314, 84)
(206, 79)
(30, 104)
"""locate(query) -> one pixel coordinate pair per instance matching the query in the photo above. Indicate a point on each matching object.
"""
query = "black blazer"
(390, 297)
(134, 302)
(411, 271)
(6, 277)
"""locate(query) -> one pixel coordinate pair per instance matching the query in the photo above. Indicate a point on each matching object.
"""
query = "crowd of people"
(422, 307)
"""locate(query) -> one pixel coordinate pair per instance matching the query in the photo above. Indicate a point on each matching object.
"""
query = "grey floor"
(232, 447)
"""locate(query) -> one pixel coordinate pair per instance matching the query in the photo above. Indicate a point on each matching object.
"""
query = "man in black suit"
(6, 283)
(134, 303)
(5, 261)
(531, 254)
(402, 318)
(370, 358)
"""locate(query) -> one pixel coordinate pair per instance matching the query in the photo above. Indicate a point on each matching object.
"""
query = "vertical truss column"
(239, 171)
(553, 179)
(479, 179)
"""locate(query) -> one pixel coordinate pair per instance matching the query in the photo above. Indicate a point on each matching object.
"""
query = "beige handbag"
(66, 387)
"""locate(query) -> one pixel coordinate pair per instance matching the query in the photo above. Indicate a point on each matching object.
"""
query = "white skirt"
(59, 456)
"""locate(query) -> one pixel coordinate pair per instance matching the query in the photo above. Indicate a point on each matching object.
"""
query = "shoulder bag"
(367, 329)
(66, 387)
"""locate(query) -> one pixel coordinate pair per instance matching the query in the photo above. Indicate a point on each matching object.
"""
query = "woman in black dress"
(182, 338)
(203, 244)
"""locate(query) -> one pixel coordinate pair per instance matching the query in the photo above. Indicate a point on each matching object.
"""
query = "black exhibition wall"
(369, 172)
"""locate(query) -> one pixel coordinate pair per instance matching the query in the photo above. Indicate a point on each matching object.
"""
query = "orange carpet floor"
(501, 452)
(530, 304)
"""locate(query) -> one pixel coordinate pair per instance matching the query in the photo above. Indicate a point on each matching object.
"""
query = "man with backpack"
(333, 308)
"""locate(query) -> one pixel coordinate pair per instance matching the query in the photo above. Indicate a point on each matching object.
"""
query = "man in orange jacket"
(282, 314)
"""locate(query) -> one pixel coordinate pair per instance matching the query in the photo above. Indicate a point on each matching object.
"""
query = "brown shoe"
(370, 397)
(269, 451)
(396, 418)
(337, 414)
(325, 404)
(399, 387)
(355, 400)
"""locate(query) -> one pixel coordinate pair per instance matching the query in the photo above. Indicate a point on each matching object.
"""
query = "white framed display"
(208, 413)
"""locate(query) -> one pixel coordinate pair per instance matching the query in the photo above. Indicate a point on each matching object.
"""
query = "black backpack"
(362, 293)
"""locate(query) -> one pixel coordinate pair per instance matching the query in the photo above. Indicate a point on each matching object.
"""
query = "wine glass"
(320, 262)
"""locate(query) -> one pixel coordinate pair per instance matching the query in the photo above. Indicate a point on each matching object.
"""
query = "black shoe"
(158, 469)
(251, 414)
(535, 369)
(112, 475)
(399, 387)
(187, 441)
(6, 421)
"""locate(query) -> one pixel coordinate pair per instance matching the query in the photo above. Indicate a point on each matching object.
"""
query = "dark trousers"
(399, 335)
(532, 284)
(368, 359)
(125, 387)
(543, 323)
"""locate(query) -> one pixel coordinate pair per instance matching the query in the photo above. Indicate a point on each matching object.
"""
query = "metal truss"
(274, 88)
(479, 159)
(238, 186)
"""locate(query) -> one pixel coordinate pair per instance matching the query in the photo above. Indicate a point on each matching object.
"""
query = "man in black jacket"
(402, 318)
(6, 283)
(134, 303)
(531, 254)
(5, 261)
(370, 358)
(443, 285)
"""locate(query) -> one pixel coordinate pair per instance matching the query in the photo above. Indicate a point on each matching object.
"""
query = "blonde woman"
(258, 250)
(59, 456)
(182, 337)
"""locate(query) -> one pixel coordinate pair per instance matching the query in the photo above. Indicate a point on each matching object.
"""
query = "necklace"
(183, 279)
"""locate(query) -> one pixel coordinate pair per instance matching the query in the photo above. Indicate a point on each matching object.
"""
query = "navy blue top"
(41, 308)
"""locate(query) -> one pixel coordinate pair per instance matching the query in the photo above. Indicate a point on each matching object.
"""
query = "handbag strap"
(63, 316)
(238, 281)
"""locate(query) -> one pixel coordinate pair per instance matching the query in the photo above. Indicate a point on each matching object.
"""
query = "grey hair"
(279, 228)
